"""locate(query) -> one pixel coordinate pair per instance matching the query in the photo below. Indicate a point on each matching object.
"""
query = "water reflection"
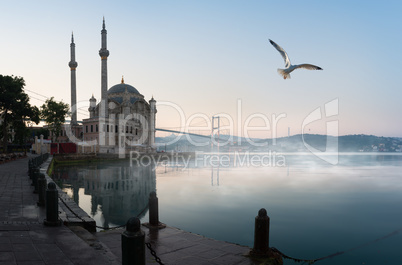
(117, 190)
(316, 209)
(216, 170)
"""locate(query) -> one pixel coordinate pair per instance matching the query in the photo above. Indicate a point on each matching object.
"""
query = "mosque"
(122, 121)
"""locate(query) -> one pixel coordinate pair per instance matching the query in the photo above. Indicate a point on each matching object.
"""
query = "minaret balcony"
(103, 53)
(73, 64)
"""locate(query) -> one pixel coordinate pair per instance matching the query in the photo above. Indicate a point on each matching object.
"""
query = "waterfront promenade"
(25, 240)
(23, 237)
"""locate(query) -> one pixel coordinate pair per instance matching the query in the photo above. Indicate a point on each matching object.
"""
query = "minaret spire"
(104, 53)
(73, 65)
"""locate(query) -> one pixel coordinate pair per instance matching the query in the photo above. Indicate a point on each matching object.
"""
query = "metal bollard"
(133, 243)
(42, 183)
(30, 168)
(261, 234)
(35, 176)
(52, 205)
(153, 209)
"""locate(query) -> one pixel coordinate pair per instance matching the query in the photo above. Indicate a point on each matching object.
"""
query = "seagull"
(288, 66)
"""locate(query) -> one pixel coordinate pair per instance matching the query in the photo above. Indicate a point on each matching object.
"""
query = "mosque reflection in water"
(116, 189)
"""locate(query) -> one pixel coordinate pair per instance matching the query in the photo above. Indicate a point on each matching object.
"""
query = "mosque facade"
(121, 122)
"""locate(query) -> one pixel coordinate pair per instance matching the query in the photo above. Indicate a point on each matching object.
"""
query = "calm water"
(316, 209)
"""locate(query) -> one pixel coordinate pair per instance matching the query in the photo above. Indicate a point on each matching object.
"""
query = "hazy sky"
(210, 57)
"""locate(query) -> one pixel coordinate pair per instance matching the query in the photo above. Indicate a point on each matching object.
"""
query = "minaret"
(92, 107)
(73, 65)
(104, 53)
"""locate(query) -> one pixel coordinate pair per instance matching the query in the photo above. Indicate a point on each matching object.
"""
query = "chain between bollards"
(133, 244)
(312, 261)
(153, 253)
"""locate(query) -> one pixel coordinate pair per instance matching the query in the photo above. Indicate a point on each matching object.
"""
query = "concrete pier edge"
(65, 214)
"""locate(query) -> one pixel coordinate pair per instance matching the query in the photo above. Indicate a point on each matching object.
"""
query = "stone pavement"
(23, 237)
(175, 246)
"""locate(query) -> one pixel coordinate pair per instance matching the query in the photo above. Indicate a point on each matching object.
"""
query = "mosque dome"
(121, 88)
(118, 92)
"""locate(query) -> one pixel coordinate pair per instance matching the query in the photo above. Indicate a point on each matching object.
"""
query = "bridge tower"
(215, 132)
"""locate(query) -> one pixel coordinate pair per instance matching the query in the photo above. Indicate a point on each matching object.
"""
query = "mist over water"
(316, 209)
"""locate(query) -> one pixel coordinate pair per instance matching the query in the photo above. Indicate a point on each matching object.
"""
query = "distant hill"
(346, 143)
(295, 143)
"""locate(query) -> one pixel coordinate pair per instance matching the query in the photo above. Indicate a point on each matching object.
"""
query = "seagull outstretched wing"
(282, 52)
(308, 66)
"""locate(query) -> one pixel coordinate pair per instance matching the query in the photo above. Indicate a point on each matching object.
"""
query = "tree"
(20, 126)
(54, 113)
(15, 109)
